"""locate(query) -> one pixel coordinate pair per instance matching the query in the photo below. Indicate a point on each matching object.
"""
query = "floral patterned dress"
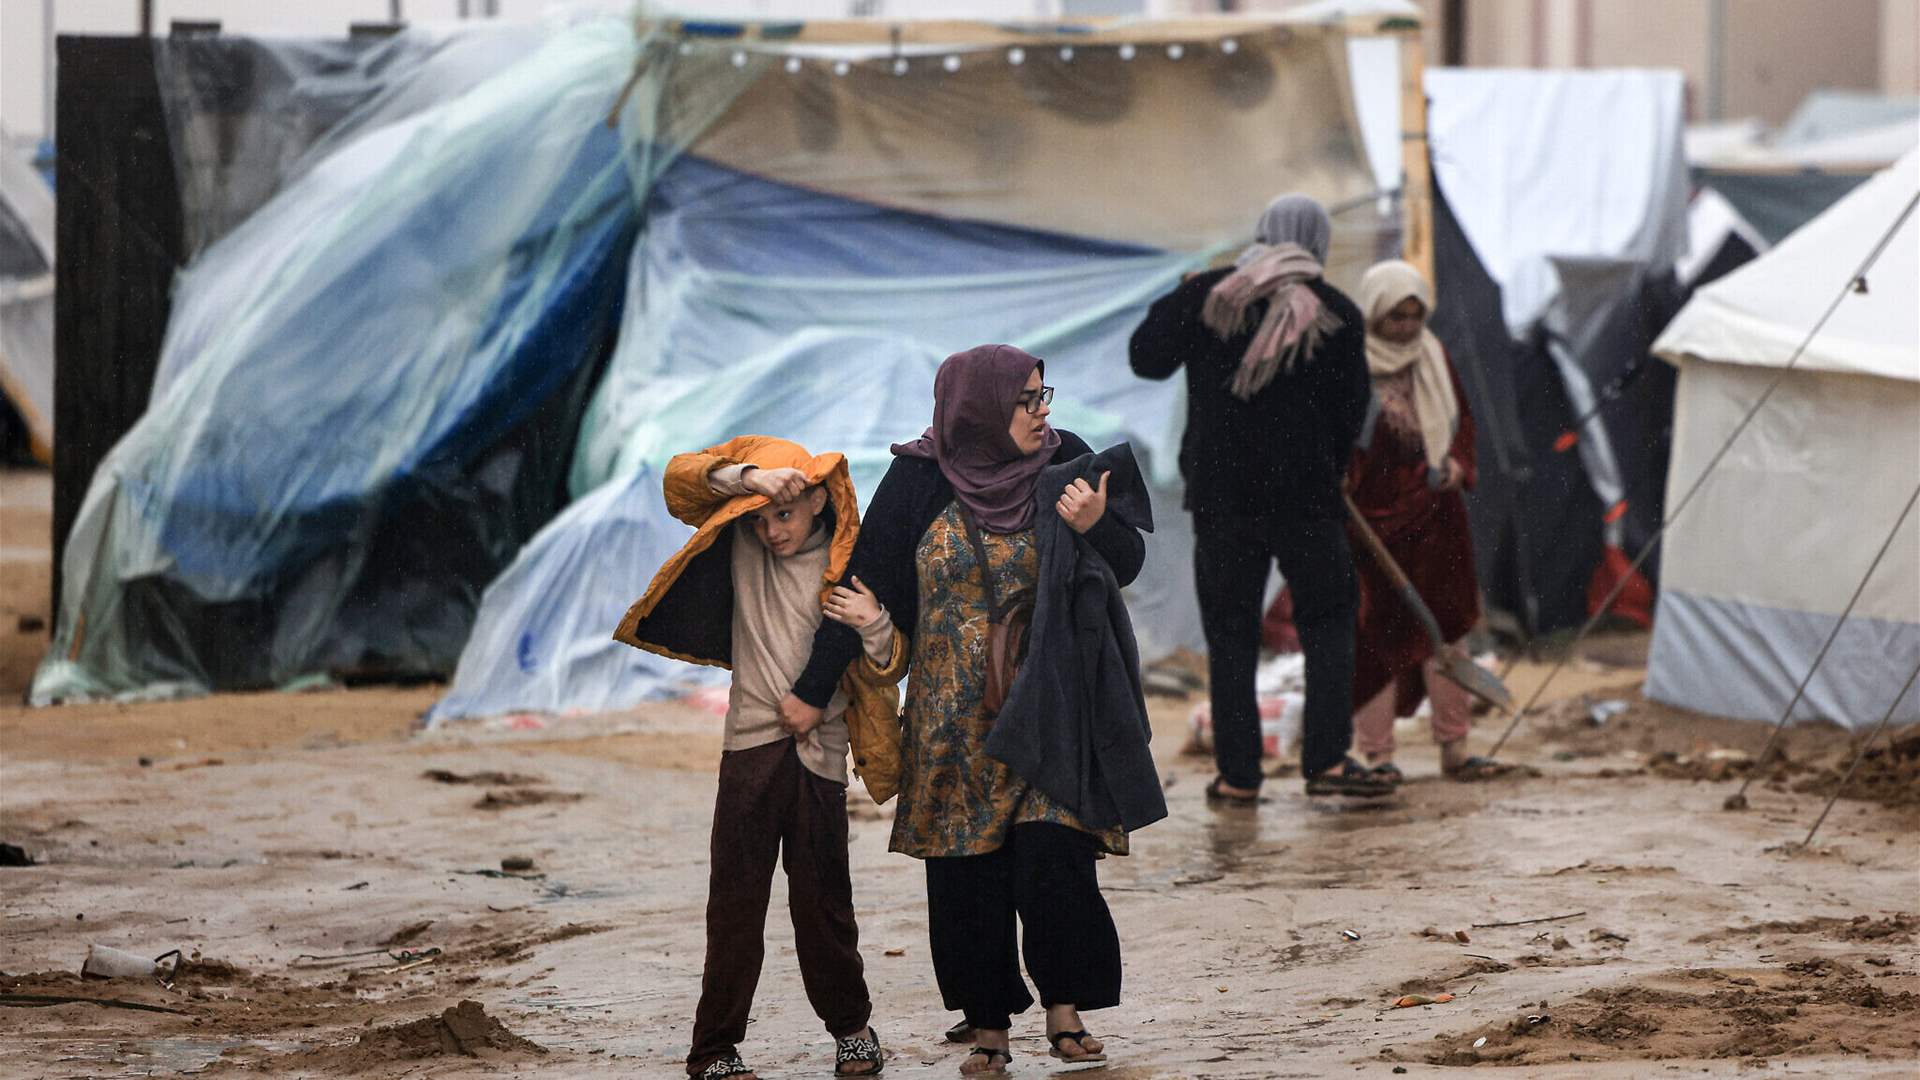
(954, 799)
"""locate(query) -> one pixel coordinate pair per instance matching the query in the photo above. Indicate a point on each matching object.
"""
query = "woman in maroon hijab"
(996, 848)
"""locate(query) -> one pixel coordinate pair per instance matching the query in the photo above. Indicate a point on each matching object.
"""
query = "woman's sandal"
(721, 1068)
(990, 1054)
(1475, 768)
(1080, 1037)
(1216, 796)
(859, 1048)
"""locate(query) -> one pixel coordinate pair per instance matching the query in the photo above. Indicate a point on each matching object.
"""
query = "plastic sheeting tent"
(26, 301)
(431, 286)
(1763, 561)
(1561, 212)
(364, 406)
(852, 202)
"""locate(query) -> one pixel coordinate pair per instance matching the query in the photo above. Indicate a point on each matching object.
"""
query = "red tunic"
(1427, 533)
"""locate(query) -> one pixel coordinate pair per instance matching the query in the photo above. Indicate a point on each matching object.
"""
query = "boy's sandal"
(720, 1068)
(1217, 796)
(1080, 1037)
(960, 1032)
(993, 1068)
(859, 1048)
(1349, 778)
(1389, 772)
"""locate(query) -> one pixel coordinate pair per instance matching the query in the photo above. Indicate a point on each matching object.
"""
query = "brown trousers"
(770, 807)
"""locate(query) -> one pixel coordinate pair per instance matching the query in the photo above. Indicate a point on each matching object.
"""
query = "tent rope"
(1861, 754)
(1599, 612)
(1738, 800)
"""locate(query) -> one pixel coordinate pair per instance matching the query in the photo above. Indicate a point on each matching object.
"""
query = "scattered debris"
(407, 933)
(1529, 922)
(42, 1000)
(1600, 712)
(507, 798)
(106, 962)
(896, 952)
(496, 779)
(1602, 934)
(356, 886)
(1350, 935)
(516, 864)
(14, 855)
(1414, 1001)
(1461, 937)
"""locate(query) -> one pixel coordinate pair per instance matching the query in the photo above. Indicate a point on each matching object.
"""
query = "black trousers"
(1043, 875)
(771, 809)
(1231, 558)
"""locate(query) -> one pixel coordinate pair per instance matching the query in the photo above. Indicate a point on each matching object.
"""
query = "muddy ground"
(267, 836)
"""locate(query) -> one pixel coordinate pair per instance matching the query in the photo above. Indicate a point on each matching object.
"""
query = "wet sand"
(266, 830)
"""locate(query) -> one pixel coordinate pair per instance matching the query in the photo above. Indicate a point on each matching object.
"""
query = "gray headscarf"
(1296, 219)
(1270, 279)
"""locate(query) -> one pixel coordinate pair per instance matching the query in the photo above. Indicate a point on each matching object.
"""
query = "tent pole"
(1738, 800)
(1856, 279)
(1416, 178)
(1861, 754)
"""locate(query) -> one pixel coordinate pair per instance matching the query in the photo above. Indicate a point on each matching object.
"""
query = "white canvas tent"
(1762, 562)
(26, 298)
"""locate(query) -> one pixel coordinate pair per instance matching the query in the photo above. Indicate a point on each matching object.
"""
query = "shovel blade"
(1478, 681)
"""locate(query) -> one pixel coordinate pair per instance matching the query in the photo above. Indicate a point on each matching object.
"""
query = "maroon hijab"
(974, 396)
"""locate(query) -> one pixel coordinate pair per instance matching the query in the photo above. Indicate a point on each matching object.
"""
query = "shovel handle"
(1399, 576)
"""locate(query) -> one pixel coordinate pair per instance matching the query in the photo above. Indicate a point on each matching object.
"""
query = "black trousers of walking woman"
(1044, 876)
(1231, 558)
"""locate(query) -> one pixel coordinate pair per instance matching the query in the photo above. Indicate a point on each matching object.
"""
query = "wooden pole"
(1416, 201)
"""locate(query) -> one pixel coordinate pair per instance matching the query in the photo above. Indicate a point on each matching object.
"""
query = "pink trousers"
(1450, 705)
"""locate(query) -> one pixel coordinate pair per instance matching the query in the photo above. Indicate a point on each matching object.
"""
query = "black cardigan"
(1286, 450)
(910, 497)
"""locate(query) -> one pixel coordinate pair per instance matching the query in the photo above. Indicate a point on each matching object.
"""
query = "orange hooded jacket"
(687, 612)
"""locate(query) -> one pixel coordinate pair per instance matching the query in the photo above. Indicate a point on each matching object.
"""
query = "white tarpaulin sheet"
(26, 297)
(1760, 566)
(1544, 165)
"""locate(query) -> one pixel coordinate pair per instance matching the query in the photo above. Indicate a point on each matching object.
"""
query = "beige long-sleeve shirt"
(776, 609)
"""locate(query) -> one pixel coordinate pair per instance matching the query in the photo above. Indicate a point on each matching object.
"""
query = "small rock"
(1880, 961)
(516, 864)
(14, 855)
(1399, 1070)
(1560, 943)
(1603, 934)
(146, 762)
(1461, 937)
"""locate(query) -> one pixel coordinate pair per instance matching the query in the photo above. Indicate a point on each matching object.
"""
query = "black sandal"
(1080, 1037)
(1476, 768)
(960, 1032)
(990, 1053)
(1389, 772)
(1349, 778)
(859, 1048)
(721, 1068)
(1215, 796)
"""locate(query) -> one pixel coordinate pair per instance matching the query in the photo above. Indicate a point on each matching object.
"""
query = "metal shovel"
(1457, 667)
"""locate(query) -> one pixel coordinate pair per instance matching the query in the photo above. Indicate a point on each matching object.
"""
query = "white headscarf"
(1434, 404)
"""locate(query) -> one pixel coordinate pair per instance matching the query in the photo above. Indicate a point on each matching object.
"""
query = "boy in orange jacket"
(774, 527)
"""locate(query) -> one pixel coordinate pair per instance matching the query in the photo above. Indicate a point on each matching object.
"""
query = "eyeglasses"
(1032, 400)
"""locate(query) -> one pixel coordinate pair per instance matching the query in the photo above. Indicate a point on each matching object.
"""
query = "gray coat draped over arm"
(1075, 721)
